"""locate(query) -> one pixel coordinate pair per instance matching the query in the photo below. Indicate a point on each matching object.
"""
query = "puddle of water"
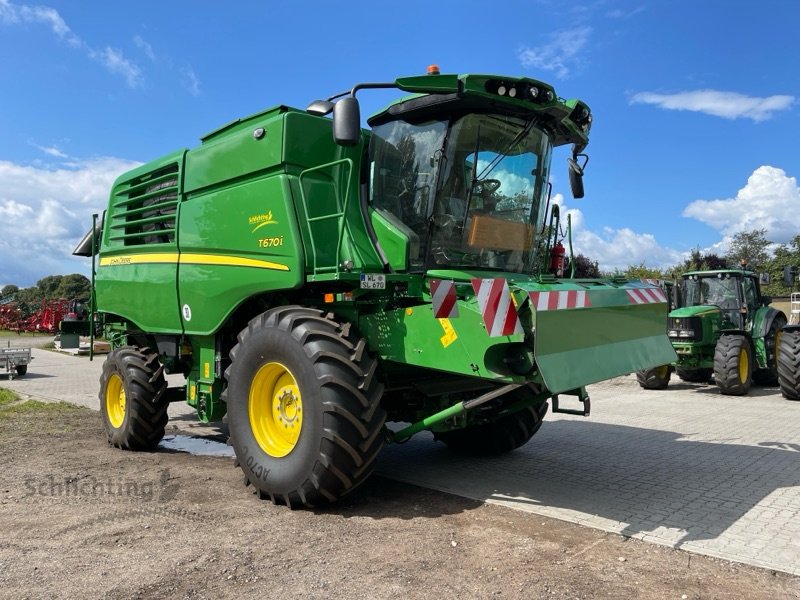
(196, 445)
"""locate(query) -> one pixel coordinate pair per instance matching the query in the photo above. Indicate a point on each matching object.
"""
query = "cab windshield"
(721, 291)
(467, 191)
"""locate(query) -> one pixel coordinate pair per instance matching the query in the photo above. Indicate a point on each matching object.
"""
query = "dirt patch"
(80, 519)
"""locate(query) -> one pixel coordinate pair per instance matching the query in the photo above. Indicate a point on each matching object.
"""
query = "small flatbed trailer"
(15, 361)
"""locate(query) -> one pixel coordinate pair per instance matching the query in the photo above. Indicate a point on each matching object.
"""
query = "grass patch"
(7, 397)
(31, 406)
(11, 404)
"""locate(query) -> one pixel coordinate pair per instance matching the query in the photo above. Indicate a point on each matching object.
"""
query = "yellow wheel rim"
(663, 371)
(744, 365)
(115, 401)
(276, 409)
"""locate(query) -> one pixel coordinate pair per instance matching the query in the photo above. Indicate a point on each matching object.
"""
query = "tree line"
(29, 300)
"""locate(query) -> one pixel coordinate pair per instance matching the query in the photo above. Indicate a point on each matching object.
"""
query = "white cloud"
(21, 13)
(625, 14)
(145, 47)
(616, 249)
(44, 212)
(113, 60)
(53, 151)
(560, 55)
(770, 200)
(191, 82)
(728, 105)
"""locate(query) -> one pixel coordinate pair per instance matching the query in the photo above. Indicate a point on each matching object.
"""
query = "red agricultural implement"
(46, 320)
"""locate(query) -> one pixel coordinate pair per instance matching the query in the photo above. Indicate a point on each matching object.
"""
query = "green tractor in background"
(314, 281)
(724, 327)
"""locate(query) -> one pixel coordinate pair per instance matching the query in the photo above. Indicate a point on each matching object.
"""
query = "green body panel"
(236, 152)
(578, 347)
(698, 354)
(136, 275)
(252, 231)
(574, 347)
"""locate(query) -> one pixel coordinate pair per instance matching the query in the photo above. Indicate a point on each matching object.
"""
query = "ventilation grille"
(145, 207)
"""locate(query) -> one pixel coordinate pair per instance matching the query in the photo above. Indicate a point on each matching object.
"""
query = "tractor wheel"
(21, 370)
(654, 379)
(304, 408)
(789, 363)
(769, 375)
(733, 360)
(694, 375)
(132, 403)
(497, 437)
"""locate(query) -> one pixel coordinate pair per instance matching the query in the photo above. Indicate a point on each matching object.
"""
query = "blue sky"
(695, 103)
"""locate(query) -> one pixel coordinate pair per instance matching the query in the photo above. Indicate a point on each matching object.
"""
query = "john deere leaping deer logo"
(258, 221)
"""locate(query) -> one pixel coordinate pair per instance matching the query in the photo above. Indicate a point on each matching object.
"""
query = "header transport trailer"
(315, 280)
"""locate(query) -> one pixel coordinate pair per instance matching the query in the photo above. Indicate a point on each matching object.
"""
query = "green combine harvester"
(315, 281)
(723, 326)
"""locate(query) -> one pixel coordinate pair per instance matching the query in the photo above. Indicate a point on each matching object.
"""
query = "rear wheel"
(21, 369)
(132, 402)
(733, 360)
(654, 379)
(769, 375)
(497, 437)
(694, 375)
(788, 350)
(304, 408)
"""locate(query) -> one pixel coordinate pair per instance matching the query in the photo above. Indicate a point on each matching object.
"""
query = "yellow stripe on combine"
(191, 259)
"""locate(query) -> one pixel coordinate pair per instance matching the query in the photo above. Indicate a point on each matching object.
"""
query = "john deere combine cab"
(722, 326)
(315, 280)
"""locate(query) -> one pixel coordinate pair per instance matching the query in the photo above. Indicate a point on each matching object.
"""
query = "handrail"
(340, 214)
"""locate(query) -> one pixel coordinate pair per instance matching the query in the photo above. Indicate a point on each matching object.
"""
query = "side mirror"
(347, 122)
(764, 278)
(575, 178)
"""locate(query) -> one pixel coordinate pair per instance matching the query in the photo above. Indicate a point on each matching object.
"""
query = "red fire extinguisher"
(557, 260)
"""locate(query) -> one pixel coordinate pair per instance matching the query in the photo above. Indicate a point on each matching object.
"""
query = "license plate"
(373, 281)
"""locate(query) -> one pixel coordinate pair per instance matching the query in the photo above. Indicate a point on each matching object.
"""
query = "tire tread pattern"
(789, 364)
(146, 411)
(496, 437)
(726, 365)
(352, 416)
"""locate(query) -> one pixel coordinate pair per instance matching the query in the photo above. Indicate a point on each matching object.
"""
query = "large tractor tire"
(654, 379)
(694, 375)
(132, 401)
(733, 361)
(304, 409)
(789, 363)
(769, 375)
(496, 437)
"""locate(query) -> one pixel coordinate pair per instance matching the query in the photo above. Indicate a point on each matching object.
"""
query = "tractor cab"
(467, 188)
(735, 293)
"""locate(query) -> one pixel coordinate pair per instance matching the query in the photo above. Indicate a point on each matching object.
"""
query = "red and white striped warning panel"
(559, 300)
(652, 295)
(443, 298)
(499, 314)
